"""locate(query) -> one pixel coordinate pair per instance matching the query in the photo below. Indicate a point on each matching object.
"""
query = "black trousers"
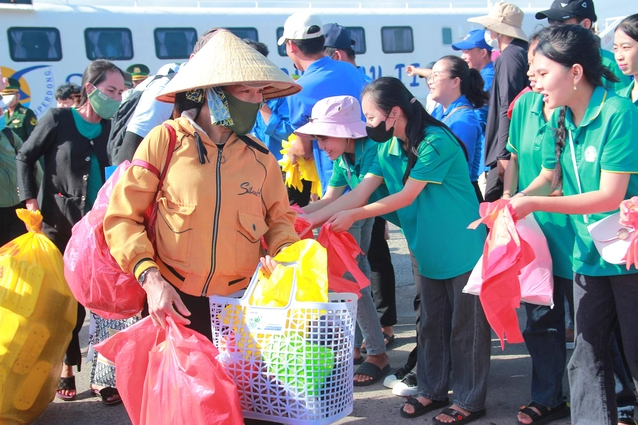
(494, 186)
(73, 356)
(10, 225)
(200, 313)
(382, 275)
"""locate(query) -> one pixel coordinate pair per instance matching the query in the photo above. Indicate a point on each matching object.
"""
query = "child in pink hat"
(336, 123)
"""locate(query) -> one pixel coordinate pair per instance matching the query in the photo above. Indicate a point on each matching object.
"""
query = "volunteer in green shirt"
(545, 332)
(424, 166)
(625, 46)
(337, 126)
(593, 156)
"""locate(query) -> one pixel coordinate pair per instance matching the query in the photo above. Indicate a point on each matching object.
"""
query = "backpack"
(120, 122)
(122, 117)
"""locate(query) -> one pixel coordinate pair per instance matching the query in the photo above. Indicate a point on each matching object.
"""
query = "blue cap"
(474, 39)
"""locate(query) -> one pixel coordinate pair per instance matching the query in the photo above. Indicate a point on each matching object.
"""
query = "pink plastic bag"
(171, 377)
(535, 279)
(95, 278)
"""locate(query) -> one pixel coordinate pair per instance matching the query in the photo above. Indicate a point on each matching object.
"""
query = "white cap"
(297, 25)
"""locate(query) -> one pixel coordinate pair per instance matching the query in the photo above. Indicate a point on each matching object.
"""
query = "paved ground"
(509, 385)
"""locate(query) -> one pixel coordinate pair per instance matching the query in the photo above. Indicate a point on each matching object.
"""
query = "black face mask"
(379, 133)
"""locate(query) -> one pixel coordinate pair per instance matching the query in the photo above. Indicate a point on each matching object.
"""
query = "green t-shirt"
(528, 128)
(605, 140)
(626, 92)
(435, 224)
(347, 173)
(608, 60)
(94, 182)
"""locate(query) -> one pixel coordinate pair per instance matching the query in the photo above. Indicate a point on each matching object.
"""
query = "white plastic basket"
(292, 365)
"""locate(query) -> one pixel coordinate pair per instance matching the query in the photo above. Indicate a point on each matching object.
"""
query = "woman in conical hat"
(222, 193)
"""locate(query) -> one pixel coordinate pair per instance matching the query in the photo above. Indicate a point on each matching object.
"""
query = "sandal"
(107, 395)
(66, 384)
(371, 370)
(547, 415)
(421, 409)
(459, 417)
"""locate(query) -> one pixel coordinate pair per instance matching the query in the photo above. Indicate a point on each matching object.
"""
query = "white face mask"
(492, 42)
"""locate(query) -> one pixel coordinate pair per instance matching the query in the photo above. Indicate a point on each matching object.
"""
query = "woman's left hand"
(522, 206)
(268, 265)
(342, 221)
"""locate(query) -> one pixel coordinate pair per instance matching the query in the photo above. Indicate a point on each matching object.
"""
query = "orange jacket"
(210, 216)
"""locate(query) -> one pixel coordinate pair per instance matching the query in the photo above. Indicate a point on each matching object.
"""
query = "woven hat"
(504, 18)
(226, 60)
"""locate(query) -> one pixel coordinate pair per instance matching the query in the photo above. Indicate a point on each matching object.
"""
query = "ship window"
(447, 35)
(28, 44)
(250, 33)
(174, 43)
(357, 34)
(108, 43)
(280, 49)
(397, 39)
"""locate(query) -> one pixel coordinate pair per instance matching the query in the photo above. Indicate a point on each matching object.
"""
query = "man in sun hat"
(222, 191)
(503, 25)
(19, 118)
(323, 77)
(582, 12)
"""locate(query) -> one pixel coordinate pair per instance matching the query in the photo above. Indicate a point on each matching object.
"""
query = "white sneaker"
(407, 387)
(396, 377)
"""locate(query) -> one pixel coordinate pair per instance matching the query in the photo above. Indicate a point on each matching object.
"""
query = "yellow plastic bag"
(304, 169)
(37, 315)
(312, 281)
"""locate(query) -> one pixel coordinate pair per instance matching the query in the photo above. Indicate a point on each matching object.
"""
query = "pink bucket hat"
(337, 116)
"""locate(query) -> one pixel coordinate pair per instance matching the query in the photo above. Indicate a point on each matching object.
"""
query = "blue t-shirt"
(488, 74)
(276, 130)
(460, 117)
(322, 79)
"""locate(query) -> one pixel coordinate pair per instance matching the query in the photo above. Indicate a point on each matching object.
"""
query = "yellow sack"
(304, 169)
(37, 315)
(312, 281)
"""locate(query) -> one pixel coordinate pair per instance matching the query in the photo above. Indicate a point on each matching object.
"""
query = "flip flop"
(547, 415)
(106, 393)
(371, 370)
(66, 384)
(459, 417)
(388, 339)
(421, 409)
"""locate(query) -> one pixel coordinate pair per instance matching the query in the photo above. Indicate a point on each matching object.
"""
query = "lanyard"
(445, 119)
(574, 164)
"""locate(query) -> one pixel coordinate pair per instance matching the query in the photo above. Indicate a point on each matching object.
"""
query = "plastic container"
(292, 365)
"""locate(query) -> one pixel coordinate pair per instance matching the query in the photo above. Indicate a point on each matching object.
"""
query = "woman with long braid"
(593, 157)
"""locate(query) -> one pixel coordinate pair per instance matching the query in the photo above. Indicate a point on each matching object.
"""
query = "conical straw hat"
(225, 60)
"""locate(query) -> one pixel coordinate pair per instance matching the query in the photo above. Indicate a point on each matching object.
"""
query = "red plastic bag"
(505, 255)
(95, 278)
(303, 229)
(171, 377)
(342, 251)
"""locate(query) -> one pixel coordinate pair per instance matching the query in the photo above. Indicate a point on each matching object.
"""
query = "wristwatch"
(142, 276)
